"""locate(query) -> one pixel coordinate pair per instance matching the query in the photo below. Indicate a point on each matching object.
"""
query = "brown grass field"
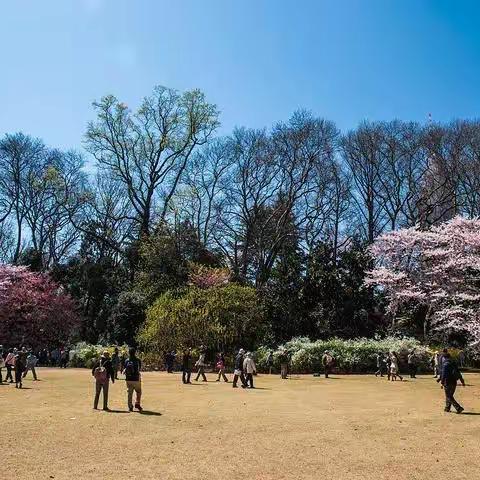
(346, 427)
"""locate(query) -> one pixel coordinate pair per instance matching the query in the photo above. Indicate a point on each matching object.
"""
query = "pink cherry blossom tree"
(34, 310)
(437, 268)
(207, 277)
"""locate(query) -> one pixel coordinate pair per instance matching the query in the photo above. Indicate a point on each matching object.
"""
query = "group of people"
(445, 370)
(17, 362)
(388, 364)
(244, 367)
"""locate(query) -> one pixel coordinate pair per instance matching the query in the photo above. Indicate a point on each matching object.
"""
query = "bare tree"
(148, 151)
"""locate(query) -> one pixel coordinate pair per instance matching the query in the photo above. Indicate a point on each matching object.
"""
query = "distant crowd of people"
(18, 362)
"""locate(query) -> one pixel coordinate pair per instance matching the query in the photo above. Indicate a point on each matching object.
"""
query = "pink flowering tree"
(207, 277)
(33, 309)
(438, 269)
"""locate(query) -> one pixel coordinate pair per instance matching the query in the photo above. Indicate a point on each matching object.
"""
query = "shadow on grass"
(258, 388)
(470, 413)
(116, 411)
(149, 412)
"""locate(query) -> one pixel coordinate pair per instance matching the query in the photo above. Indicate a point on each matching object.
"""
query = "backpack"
(131, 369)
(100, 374)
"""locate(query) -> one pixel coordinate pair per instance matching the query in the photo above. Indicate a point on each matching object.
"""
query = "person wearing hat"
(238, 370)
(249, 368)
(327, 362)
(102, 371)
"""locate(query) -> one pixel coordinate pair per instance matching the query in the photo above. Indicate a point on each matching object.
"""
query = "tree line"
(289, 209)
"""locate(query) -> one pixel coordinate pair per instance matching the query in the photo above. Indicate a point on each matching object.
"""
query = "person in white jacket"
(249, 368)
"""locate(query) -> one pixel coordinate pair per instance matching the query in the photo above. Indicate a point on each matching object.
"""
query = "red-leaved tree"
(437, 268)
(33, 309)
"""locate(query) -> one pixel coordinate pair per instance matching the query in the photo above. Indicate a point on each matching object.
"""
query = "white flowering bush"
(352, 356)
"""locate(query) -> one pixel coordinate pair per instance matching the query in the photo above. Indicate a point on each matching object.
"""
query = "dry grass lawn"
(347, 427)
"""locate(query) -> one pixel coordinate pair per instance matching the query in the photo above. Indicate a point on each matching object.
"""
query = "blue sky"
(258, 60)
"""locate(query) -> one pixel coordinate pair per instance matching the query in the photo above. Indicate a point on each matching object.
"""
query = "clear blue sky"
(258, 60)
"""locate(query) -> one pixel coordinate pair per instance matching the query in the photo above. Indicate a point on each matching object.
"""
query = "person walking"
(449, 378)
(412, 364)
(133, 379)
(10, 363)
(200, 364)
(220, 365)
(31, 363)
(270, 362)
(238, 371)
(394, 367)
(20, 365)
(381, 364)
(250, 369)
(327, 362)
(187, 366)
(103, 372)
(116, 362)
(169, 361)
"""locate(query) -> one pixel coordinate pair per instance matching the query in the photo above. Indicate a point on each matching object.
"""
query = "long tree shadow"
(470, 413)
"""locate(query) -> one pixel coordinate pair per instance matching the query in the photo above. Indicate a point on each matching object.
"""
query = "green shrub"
(352, 356)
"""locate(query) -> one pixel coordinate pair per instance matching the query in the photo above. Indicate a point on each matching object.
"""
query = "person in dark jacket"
(102, 371)
(116, 362)
(238, 371)
(187, 366)
(20, 366)
(131, 369)
(412, 364)
(449, 376)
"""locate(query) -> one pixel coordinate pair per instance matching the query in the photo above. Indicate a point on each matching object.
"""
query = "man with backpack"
(102, 371)
(450, 374)
(131, 369)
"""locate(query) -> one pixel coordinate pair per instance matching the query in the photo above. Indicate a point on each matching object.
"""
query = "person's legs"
(98, 389)
(25, 372)
(184, 376)
(130, 389)
(18, 377)
(235, 380)
(9, 374)
(242, 379)
(138, 393)
(201, 371)
(1, 378)
(449, 397)
(189, 374)
(225, 378)
(34, 373)
(105, 395)
(327, 371)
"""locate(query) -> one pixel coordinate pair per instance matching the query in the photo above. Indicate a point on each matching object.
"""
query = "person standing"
(10, 363)
(20, 365)
(201, 365)
(221, 367)
(2, 363)
(187, 366)
(169, 361)
(238, 371)
(63, 358)
(103, 372)
(449, 378)
(327, 362)
(30, 365)
(270, 362)
(284, 360)
(250, 369)
(412, 364)
(133, 379)
(116, 362)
